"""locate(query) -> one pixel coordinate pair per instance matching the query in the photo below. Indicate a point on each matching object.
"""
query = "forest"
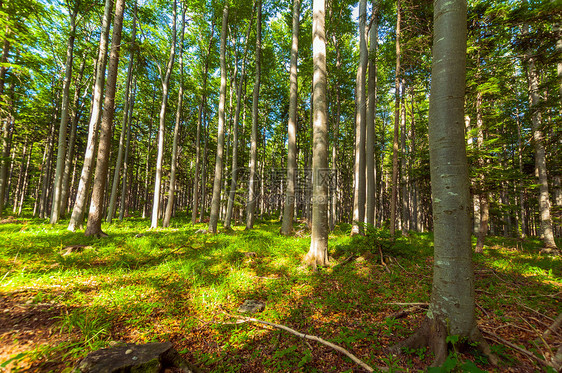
(382, 179)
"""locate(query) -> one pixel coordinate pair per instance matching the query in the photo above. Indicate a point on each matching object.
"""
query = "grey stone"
(251, 306)
(132, 358)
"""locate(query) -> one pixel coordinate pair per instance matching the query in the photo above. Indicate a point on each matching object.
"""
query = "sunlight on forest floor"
(141, 285)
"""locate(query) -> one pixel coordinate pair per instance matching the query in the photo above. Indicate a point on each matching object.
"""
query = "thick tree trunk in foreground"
(61, 155)
(77, 218)
(452, 307)
(289, 208)
(215, 202)
(318, 253)
(252, 194)
(95, 215)
(360, 127)
(162, 126)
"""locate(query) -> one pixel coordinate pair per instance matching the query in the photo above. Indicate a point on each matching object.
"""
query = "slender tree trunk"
(77, 218)
(47, 164)
(25, 181)
(318, 253)
(289, 208)
(124, 129)
(162, 126)
(61, 155)
(252, 195)
(371, 111)
(95, 215)
(335, 192)
(394, 195)
(174, 161)
(452, 306)
(360, 126)
(215, 202)
(547, 233)
(125, 201)
(234, 171)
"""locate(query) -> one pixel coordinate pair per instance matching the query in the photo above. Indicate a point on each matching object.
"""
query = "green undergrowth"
(177, 284)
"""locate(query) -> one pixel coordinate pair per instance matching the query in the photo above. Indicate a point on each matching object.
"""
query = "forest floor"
(140, 285)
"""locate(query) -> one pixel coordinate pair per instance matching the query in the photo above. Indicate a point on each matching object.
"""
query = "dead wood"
(553, 328)
(507, 343)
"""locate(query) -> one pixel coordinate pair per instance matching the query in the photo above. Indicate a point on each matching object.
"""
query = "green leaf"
(15, 358)
(469, 366)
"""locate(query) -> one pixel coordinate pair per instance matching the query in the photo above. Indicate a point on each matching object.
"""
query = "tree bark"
(215, 202)
(318, 253)
(95, 214)
(174, 161)
(394, 195)
(252, 194)
(370, 117)
(61, 152)
(360, 126)
(77, 218)
(289, 208)
(162, 126)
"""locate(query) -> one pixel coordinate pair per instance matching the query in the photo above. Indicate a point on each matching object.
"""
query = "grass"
(142, 285)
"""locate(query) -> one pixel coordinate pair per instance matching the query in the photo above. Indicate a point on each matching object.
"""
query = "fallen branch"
(406, 312)
(554, 327)
(515, 347)
(408, 304)
(312, 338)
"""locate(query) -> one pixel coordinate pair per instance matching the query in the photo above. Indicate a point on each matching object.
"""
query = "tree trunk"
(547, 234)
(371, 112)
(61, 152)
(289, 208)
(215, 202)
(124, 200)
(174, 161)
(318, 253)
(360, 126)
(77, 218)
(335, 191)
(95, 214)
(452, 307)
(234, 171)
(252, 195)
(162, 126)
(124, 130)
(394, 195)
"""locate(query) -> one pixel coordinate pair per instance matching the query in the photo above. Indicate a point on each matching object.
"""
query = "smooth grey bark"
(215, 202)
(335, 144)
(452, 306)
(174, 161)
(200, 118)
(289, 208)
(116, 173)
(77, 217)
(547, 233)
(252, 195)
(162, 126)
(394, 192)
(370, 185)
(360, 126)
(61, 151)
(318, 253)
(124, 205)
(95, 215)
(235, 130)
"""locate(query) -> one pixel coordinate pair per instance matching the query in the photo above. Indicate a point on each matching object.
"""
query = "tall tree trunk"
(405, 219)
(77, 218)
(25, 181)
(371, 112)
(252, 194)
(200, 119)
(61, 152)
(318, 253)
(289, 208)
(162, 126)
(360, 126)
(234, 171)
(452, 306)
(547, 233)
(124, 129)
(95, 214)
(335, 192)
(174, 161)
(215, 202)
(125, 202)
(484, 196)
(394, 195)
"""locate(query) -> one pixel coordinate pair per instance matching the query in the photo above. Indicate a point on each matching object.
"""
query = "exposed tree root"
(515, 347)
(554, 327)
(433, 333)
